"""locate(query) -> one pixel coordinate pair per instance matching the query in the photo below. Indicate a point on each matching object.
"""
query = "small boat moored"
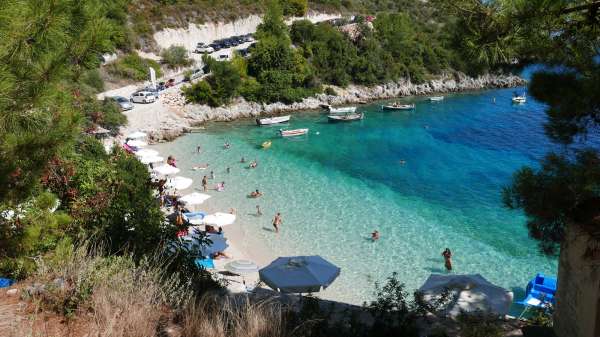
(398, 106)
(292, 133)
(266, 144)
(519, 98)
(346, 118)
(436, 98)
(273, 120)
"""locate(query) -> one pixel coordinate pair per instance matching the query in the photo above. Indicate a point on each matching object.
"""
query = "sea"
(426, 179)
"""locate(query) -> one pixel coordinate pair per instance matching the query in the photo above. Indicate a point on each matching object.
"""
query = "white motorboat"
(292, 133)
(273, 120)
(436, 98)
(346, 117)
(398, 106)
(519, 99)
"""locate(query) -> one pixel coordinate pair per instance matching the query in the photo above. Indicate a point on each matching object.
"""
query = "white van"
(143, 97)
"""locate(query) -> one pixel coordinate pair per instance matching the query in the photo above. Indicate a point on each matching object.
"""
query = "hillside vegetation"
(288, 64)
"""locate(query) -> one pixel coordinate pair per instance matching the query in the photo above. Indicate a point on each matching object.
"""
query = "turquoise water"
(342, 181)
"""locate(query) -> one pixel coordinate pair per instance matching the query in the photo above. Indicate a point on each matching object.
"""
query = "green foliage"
(176, 56)
(219, 87)
(294, 7)
(106, 113)
(133, 67)
(45, 49)
(93, 80)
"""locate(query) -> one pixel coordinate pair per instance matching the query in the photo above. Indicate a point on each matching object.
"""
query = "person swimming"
(375, 235)
(255, 194)
(243, 160)
(227, 145)
(253, 164)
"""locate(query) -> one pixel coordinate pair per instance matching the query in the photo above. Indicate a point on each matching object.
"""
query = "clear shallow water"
(335, 187)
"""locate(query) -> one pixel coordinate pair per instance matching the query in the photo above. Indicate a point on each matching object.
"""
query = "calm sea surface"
(342, 181)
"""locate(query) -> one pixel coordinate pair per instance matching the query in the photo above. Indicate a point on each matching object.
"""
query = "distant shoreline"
(166, 121)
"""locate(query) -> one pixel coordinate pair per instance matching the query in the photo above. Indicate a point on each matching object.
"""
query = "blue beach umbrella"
(299, 274)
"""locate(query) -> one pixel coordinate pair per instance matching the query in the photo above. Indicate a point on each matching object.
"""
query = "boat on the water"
(292, 133)
(346, 118)
(398, 106)
(266, 144)
(436, 98)
(519, 98)
(342, 110)
(273, 120)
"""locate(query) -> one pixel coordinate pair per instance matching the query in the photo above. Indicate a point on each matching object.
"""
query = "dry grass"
(229, 316)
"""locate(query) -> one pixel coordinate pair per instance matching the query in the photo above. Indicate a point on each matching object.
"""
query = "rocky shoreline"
(188, 116)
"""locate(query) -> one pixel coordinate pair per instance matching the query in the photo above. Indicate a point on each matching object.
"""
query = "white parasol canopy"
(179, 183)
(241, 267)
(146, 153)
(136, 135)
(194, 198)
(219, 219)
(166, 170)
(468, 293)
(137, 143)
(151, 159)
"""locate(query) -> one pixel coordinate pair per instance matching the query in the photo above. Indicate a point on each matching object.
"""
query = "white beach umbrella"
(136, 135)
(241, 267)
(166, 170)
(219, 219)
(151, 159)
(137, 143)
(179, 183)
(146, 153)
(469, 293)
(194, 198)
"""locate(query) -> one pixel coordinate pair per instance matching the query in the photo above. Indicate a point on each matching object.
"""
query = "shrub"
(176, 56)
(133, 67)
(330, 91)
(479, 325)
(92, 79)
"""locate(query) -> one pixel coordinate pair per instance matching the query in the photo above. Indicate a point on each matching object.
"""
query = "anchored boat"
(519, 98)
(436, 98)
(343, 110)
(398, 106)
(273, 120)
(346, 118)
(292, 133)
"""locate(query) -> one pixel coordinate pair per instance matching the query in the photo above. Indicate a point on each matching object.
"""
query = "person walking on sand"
(204, 183)
(258, 212)
(277, 222)
(447, 254)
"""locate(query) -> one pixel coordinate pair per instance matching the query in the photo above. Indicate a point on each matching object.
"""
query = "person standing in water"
(212, 175)
(447, 254)
(198, 149)
(228, 170)
(277, 222)
(204, 183)
(258, 212)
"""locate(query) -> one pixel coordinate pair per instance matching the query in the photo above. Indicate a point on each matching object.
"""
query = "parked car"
(204, 49)
(170, 83)
(223, 57)
(216, 46)
(123, 102)
(143, 97)
(196, 73)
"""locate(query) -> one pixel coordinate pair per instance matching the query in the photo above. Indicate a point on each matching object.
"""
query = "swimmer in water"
(375, 235)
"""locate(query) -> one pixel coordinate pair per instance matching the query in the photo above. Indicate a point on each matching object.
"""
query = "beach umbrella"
(299, 274)
(179, 183)
(136, 135)
(166, 170)
(146, 153)
(194, 198)
(241, 267)
(151, 159)
(468, 293)
(219, 219)
(136, 143)
(218, 243)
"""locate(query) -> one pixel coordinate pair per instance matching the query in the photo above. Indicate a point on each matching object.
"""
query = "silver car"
(123, 102)
(143, 97)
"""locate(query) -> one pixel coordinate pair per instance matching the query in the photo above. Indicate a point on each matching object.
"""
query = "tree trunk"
(578, 295)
